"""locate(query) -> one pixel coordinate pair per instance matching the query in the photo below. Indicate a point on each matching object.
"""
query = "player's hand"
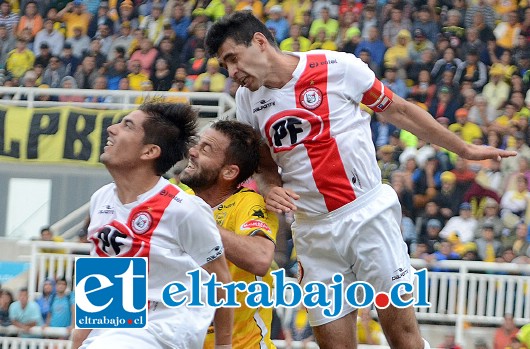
(223, 346)
(482, 152)
(279, 200)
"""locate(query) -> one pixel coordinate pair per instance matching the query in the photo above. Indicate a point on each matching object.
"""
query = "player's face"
(206, 160)
(125, 146)
(244, 64)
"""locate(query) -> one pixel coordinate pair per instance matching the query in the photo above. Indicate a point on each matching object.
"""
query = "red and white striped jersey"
(316, 131)
(161, 225)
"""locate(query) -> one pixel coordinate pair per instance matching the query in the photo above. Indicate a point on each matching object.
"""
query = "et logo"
(111, 292)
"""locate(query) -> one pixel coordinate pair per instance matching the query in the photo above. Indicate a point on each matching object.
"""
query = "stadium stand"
(467, 62)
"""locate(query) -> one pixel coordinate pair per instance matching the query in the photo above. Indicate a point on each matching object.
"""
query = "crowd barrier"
(39, 343)
(220, 105)
(460, 292)
(33, 343)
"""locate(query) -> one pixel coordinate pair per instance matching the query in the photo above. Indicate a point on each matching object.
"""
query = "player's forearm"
(267, 181)
(224, 317)
(412, 118)
(267, 176)
(251, 253)
(223, 322)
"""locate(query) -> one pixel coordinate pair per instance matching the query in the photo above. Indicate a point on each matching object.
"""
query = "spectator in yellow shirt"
(46, 234)
(508, 119)
(398, 55)
(136, 77)
(295, 37)
(496, 91)
(507, 31)
(294, 10)
(179, 85)
(211, 80)
(20, 60)
(255, 6)
(74, 15)
(322, 42)
(468, 130)
(330, 25)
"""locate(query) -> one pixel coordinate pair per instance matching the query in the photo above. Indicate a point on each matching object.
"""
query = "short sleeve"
(198, 233)
(243, 109)
(35, 314)
(358, 78)
(253, 217)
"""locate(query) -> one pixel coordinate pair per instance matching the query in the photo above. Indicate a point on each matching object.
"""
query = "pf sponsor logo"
(291, 127)
(110, 292)
(311, 98)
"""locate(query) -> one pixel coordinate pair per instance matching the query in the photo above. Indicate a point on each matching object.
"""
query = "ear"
(151, 152)
(260, 39)
(230, 172)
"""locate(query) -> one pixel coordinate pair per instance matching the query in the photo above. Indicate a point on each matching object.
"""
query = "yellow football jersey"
(244, 213)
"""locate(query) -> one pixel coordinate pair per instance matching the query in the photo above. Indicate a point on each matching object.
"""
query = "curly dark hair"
(171, 126)
(244, 148)
(240, 27)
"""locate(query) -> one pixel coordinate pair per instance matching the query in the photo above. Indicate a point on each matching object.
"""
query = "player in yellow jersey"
(226, 155)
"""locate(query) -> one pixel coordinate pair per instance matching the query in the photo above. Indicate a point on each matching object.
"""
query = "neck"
(281, 68)
(215, 195)
(132, 183)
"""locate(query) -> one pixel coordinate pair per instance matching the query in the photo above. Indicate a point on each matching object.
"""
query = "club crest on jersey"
(141, 222)
(311, 98)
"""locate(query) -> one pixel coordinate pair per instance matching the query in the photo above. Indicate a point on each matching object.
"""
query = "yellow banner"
(55, 135)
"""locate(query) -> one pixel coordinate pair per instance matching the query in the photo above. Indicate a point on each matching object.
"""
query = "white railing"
(35, 331)
(77, 216)
(39, 343)
(475, 292)
(33, 343)
(122, 100)
(51, 264)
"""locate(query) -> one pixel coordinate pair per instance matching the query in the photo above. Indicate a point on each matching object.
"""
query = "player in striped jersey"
(307, 108)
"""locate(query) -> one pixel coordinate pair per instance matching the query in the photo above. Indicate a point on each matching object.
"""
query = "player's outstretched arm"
(251, 253)
(412, 118)
(277, 198)
(224, 317)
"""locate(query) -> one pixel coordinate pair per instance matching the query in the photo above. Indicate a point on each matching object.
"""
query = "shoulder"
(104, 190)
(193, 204)
(249, 196)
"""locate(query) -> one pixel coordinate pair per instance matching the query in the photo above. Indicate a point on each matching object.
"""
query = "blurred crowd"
(465, 61)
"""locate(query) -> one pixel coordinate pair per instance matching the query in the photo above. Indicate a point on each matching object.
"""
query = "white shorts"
(362, 241)
(180, 328)
(122, 338)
